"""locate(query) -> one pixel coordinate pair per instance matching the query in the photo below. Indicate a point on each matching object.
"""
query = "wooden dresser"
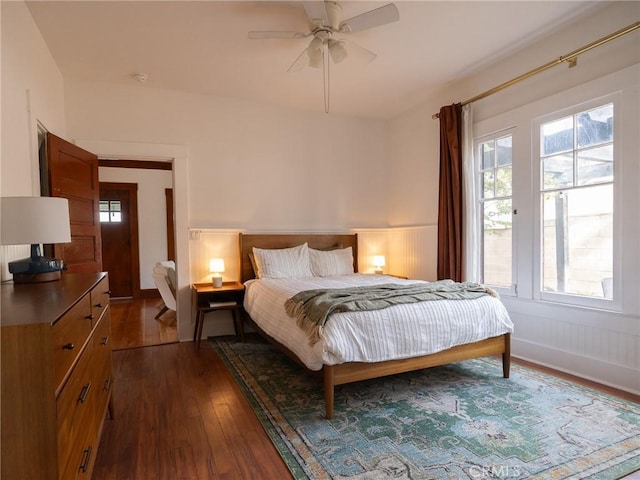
(56, 376)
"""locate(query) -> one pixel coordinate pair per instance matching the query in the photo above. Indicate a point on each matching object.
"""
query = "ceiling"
(202, 47)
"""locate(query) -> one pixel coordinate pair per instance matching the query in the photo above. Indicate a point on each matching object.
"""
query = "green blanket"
(311, 308)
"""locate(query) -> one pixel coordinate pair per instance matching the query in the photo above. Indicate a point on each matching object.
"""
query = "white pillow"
(283, 262)
(331, 262)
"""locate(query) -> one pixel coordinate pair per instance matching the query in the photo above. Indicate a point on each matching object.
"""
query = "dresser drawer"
(100, 299)
(76, 406)
(81, 458)
(70, 333)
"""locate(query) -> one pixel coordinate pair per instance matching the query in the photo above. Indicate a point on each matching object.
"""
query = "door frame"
(177, 155)
(134, 246)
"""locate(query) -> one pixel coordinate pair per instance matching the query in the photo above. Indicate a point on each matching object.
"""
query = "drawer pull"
(86, 456)
(98, 305)
(105, 340)
(68, 346)
(108, 292)
(89, 317)
(84, 392)
(107, 385)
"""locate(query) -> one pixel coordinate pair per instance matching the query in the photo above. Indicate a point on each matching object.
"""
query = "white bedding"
(400, 331)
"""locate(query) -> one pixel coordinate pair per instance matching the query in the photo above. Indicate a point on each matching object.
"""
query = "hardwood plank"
(180, 414)
(133, 323)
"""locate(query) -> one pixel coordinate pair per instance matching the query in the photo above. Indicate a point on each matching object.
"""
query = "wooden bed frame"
(355, 371)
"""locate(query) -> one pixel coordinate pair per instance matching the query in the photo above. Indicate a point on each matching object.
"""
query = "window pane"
(488, 155)
(595, 126)
(116, 217)
(104, 205)
(104, 216)
(488, 184)
(557, 136)
(503, 182)
(578, 240)
(595, 165)
(497, 246)
(557, 171)
(503, 153)
(115, 205)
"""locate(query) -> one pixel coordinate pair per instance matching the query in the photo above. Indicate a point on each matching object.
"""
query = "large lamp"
(34, 220)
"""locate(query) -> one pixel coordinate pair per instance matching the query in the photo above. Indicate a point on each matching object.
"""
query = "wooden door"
(120, 245)
(171, 234)
(73, 174)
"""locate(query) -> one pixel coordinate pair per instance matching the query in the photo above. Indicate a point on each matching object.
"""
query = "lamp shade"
(378, 261)
(216, 265)
(34, 220)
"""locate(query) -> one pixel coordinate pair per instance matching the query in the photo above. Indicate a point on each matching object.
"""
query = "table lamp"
(378, 263)
(34, 220)
(216, 266)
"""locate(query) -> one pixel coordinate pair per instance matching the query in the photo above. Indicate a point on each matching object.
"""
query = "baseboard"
(149, 293)
(605, 373)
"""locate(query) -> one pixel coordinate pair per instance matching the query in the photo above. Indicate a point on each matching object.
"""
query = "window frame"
(512, 290)
(613, 303)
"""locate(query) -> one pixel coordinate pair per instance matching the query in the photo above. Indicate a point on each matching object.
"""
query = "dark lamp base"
(36, 277)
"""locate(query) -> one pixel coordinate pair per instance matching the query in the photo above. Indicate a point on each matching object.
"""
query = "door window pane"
(110, 211)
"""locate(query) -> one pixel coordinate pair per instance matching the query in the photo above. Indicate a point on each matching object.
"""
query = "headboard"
(318, 240)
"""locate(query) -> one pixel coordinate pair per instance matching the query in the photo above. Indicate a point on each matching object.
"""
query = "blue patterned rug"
(459, 421)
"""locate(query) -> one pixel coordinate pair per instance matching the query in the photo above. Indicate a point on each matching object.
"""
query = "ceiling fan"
(325, 20)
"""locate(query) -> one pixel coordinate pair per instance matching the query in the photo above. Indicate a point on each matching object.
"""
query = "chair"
(164, 277)
(607, 287)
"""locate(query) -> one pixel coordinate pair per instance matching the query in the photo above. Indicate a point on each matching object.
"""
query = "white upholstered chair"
(164, 277)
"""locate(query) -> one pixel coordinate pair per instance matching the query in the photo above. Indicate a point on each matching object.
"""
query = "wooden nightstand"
(207, 298)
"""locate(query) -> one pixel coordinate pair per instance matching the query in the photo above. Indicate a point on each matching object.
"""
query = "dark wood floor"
(180, 415)
(133, 323)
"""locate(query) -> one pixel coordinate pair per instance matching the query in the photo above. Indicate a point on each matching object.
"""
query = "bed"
(339, 365)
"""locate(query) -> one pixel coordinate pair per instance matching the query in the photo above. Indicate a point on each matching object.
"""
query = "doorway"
(120, 244)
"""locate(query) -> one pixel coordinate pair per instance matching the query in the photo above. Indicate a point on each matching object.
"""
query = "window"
(110, 211)
(495, 161)
(576, 201)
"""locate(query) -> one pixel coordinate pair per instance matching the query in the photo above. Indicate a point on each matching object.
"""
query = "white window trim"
(613, 304)
(512, 290)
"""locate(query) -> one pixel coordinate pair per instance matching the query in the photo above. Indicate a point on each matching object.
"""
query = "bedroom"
(255, 143)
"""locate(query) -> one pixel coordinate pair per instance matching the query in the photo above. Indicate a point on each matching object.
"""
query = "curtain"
(471, 227)
(450, 200)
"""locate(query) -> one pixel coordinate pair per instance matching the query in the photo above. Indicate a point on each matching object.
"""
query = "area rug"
(459, 421)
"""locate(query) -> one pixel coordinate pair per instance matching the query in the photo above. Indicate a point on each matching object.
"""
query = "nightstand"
(207, 298)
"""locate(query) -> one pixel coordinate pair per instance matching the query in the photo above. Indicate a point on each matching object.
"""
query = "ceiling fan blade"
(373, 18)
(257, 35)
(300, 62)
(317, 13)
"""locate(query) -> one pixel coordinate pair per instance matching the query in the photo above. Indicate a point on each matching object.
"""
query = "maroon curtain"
(450, 197)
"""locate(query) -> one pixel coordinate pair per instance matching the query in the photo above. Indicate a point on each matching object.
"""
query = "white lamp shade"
(34, 220)
(378, 261)
(216, 265)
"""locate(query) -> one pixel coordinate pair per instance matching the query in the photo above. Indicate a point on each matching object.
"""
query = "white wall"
(32, 91)
(250, 166)
(152, 223)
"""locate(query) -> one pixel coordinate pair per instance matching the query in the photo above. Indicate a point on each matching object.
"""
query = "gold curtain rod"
(570, 58)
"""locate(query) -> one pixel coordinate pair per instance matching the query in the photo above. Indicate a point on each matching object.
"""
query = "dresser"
(56, 376)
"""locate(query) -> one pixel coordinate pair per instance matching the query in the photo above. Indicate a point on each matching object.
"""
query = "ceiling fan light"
(337, 51)
(315, 58)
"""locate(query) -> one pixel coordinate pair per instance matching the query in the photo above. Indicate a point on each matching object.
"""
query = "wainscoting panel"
(598, 345)
(9, 253)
